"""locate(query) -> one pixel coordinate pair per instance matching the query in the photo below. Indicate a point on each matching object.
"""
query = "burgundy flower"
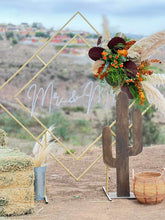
(127, 91)
(95, 53)
(115, 43)
(99, 41)
(131, 68)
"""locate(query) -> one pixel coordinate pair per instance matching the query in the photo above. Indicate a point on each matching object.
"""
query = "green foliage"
(150, 128)
(42, 34)
(1, 38)
(9, 35)
(151, 134)
(74, 109)
(13, 128)
(74, 131)
(62, 124)
(82, 126)
(59, 47)
(71, 35)
(115, 76)
(14, 41)
(71, 150)
(93, 36)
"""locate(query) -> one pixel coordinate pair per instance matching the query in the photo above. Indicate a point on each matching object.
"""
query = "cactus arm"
(107, 147)
(137, 134)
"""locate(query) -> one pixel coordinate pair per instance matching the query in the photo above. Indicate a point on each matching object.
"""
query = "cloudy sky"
(127, 16)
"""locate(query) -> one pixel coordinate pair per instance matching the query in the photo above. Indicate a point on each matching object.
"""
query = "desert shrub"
(1, 38)
(12, 128)
(150, 127)
(61, 123)
(151, 134)
(74, 131)
(14, 41)
(9, 34)
(74, 109)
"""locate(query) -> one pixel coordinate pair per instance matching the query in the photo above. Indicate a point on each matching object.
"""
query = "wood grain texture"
(123, 151)
(122, 141)
(137, 134)
(107, 147)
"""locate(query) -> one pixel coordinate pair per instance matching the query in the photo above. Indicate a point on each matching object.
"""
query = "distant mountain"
(135, 36)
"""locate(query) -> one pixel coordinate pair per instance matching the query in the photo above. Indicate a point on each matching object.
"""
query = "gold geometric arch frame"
(45, 129)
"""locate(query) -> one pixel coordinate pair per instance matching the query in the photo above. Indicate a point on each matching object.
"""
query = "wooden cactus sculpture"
(123, 151)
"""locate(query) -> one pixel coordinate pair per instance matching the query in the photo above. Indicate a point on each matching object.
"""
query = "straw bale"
(15, 195)
(16, 179)
(14, 160)
(16, 183)
(17, 209)
(3, 135)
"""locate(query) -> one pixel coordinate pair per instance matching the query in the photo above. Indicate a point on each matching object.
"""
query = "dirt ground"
(85, 200)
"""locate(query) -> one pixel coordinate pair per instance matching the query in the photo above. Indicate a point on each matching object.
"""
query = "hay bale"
(3, 135)
(16, 183)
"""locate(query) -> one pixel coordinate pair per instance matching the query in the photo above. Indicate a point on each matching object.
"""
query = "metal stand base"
(46, 200)
(113, 195)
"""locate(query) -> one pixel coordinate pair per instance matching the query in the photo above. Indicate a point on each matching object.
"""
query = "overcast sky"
(127, 16)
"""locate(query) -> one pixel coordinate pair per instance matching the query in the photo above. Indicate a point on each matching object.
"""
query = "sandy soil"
(85, 200)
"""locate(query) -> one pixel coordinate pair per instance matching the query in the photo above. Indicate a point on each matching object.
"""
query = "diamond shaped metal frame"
(45, 65)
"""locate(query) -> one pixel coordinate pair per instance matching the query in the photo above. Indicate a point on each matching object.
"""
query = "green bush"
(1, 38)
(13, 129)
(9, 35)
(42, 34)
(14, 41)
(61, 123)
(73, 131)
(74, 109)
(150, 128)
(151, 132)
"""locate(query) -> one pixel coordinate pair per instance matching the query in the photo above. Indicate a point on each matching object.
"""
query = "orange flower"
(116, 67)
(104, 53)
(156, 61)
(112, 64)
(104, 58)
(140, 78)
(110, 56)
(129, 44)
(117, 57)
(121, 65)
(123, 52)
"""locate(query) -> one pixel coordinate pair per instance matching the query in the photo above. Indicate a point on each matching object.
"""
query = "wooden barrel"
(149, 187)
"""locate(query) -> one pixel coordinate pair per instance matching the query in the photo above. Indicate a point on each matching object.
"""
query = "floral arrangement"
(121, 66)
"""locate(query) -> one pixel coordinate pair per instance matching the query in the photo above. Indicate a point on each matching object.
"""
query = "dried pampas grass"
(96, 65)
(106, 34)
(154, 96)
(41, 153)
(147, 45)
(37, 147)
(156, 79)
(153, 49)
(40, 159)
